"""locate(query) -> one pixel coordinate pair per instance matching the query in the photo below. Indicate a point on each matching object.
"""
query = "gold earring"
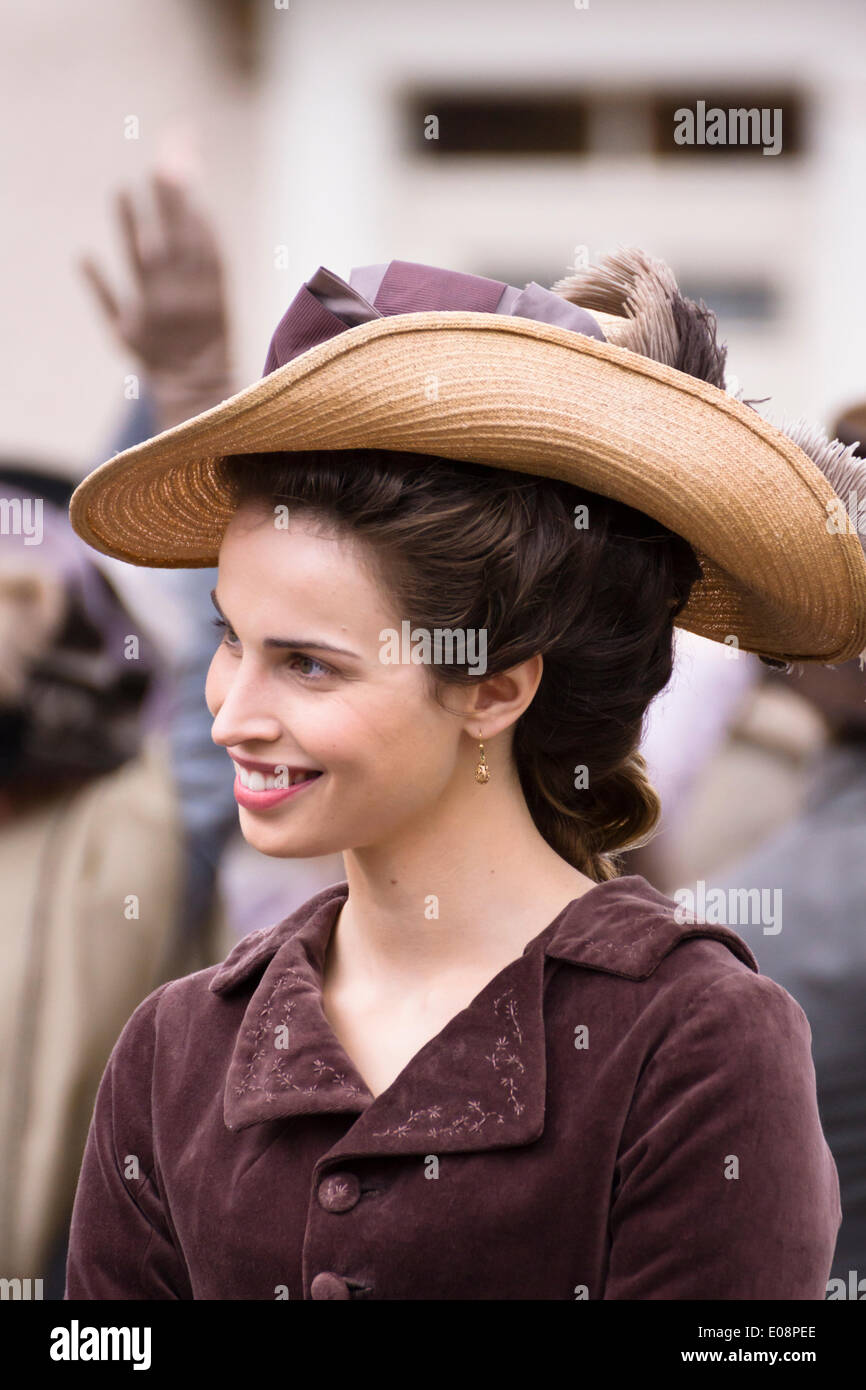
(482, 772)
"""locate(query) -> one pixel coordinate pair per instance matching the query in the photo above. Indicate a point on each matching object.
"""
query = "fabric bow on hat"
(326, 305)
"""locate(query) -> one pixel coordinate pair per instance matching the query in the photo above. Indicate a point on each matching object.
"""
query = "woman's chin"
(279, 843)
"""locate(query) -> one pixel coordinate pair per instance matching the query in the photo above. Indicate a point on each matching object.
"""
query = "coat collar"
(480, 1083)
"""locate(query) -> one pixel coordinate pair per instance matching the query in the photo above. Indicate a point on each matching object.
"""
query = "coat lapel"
(287, 1059)
(478, 1084)
(481, 1082)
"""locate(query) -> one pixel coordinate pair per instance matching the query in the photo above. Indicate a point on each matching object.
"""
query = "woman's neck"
(464, 894)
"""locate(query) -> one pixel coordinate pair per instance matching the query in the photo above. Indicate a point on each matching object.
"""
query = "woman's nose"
(244, 713)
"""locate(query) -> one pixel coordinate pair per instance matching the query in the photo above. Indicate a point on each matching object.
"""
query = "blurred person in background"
(90, 856)
(815, 861)
(729, 747)
(685, 726)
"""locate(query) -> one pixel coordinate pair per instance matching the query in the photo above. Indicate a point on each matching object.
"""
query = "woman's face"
(388, 754)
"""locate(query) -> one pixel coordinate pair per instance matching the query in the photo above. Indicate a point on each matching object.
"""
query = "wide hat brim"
(521, 394)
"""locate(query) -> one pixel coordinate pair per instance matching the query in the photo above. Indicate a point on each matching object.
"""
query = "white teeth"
(261, 782)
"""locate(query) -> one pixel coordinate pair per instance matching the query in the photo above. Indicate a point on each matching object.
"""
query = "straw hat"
(611, 380)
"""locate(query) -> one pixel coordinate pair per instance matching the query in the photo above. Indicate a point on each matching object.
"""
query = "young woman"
(485, 1065)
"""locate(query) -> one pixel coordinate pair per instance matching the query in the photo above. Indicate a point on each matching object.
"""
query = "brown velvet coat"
(626, 1111)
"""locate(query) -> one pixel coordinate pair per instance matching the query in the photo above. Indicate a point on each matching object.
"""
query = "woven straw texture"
(517, 393)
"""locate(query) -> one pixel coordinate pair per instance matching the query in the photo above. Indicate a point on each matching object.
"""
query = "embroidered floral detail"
(339, 1078)
(469, 1122)
(279, 1074)
(511, 1013)
(472, 1115)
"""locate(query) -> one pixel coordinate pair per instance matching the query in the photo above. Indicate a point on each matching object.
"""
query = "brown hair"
(466, 546)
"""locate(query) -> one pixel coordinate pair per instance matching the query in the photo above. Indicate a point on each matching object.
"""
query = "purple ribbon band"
(327, 305)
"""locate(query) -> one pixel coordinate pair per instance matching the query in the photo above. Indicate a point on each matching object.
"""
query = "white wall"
(69, 75)
(341, 183)
(309, 156)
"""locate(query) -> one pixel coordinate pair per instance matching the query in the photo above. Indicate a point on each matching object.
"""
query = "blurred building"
(309, 123)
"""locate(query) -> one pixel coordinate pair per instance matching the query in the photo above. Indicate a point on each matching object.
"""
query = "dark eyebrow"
(292, 642)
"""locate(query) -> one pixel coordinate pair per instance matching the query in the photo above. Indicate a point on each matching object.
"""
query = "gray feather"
(660, 322)
(844, 471)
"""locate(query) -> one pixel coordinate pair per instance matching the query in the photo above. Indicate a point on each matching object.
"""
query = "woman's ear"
(498, 701)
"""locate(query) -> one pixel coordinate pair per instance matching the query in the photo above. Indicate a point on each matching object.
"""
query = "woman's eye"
(230, 634)
(231, 637)
(325, 670)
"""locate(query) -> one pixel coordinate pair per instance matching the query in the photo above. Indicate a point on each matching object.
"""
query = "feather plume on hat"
(659, 321)
(653, 318)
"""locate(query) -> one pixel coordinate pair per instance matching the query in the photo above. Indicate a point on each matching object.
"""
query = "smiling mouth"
(255, 781)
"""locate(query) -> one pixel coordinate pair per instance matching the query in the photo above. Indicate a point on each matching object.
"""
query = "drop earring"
(482, 772)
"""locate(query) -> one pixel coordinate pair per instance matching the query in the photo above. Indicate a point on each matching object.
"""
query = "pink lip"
(262, 801)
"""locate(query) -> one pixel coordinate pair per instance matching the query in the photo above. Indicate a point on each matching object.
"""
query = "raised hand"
(174, 319)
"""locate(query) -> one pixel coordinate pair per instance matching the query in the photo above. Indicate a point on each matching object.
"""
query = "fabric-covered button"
(329, 1285)
(339, 1191)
